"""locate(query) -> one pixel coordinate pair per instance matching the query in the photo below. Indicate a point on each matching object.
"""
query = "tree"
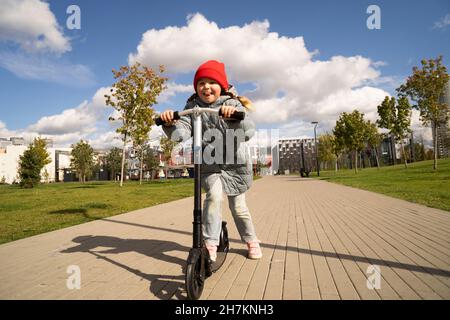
(31, 163)
(82, 160)
(419, 151)
(139, 135)
(396, 117)
(350, 132)
(167, 146)
(133, 95)
(99, 164)
(338, 149)
(425, 86)
(114, 161)
(150, 160)
(326, 148)
(373, 139)
(429, 154)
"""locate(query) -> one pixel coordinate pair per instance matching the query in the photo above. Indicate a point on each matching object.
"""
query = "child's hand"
(227, 111)
(167, 117)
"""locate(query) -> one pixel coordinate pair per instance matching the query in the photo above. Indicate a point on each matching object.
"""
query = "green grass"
(418, 183)
(27, 212)
(48, 207)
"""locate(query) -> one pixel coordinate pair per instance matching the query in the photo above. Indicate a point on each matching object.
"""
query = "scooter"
(199, 264)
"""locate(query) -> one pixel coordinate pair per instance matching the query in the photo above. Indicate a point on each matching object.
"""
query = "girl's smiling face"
(208, 90)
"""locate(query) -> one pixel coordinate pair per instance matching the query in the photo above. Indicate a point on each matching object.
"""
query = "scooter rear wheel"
(195, 278)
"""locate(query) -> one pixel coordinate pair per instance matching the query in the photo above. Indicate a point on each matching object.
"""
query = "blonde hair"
(246, 102)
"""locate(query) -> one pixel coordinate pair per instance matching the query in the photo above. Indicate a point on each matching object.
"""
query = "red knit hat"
(214, 70)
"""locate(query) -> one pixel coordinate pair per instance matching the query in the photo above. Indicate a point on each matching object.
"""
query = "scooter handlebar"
(237, 115)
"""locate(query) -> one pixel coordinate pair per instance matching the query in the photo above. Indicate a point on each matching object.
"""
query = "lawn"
(418, 183)
(27, 212)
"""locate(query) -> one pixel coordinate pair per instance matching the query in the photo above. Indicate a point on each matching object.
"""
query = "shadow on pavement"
(161, 286)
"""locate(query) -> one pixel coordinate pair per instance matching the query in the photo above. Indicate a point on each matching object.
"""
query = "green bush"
(31, 163)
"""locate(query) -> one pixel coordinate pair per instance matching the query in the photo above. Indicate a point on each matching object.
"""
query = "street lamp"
(315, 123)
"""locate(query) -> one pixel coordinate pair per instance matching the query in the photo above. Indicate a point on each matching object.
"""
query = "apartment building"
(10, 151)
(295, 154)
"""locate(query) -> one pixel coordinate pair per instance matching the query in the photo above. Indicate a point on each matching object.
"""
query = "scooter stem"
(197, 145)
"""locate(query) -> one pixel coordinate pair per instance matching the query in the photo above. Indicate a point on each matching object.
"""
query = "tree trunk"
(356, 161)
(376, 158)
(361, 161)
(393, 151)
(142, 165)
(404, 154)
(123, 160)
(435, 146)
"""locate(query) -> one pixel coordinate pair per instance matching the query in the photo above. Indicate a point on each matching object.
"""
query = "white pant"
(212, 212)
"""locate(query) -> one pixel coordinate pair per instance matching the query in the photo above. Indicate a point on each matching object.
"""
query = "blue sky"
(112, 30)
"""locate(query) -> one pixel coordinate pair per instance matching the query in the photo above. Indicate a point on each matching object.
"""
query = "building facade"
(443, 129)
(295, 155)
(12, 149)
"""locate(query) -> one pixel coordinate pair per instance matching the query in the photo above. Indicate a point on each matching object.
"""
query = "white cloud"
(5, 132)
(38, 45)
(81, 119)
(105, 140)
(364, 99)
(378, 64)
(183, 49)
(173, 89)
(392, 82)
(442, 23)
(40, 67)
(420, 131)
(70, 120)
(31, 24)
(289, 84)
(88, 121)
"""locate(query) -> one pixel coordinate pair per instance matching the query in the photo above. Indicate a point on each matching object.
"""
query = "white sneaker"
(254, 250)
(212, 249)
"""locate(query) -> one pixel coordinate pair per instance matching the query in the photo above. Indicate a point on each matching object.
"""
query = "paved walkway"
(319, 242)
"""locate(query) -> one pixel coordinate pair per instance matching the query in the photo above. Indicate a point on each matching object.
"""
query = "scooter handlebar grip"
(237, 115)
(159, 121)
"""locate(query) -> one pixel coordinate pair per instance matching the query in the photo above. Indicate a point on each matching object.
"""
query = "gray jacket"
(235, 170)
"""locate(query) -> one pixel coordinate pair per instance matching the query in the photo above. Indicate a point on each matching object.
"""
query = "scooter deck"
(221, 256)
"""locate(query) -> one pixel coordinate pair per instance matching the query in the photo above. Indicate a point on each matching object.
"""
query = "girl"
(212, 91)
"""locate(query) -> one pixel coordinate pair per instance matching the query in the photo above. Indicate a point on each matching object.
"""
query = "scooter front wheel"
(195, 277)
